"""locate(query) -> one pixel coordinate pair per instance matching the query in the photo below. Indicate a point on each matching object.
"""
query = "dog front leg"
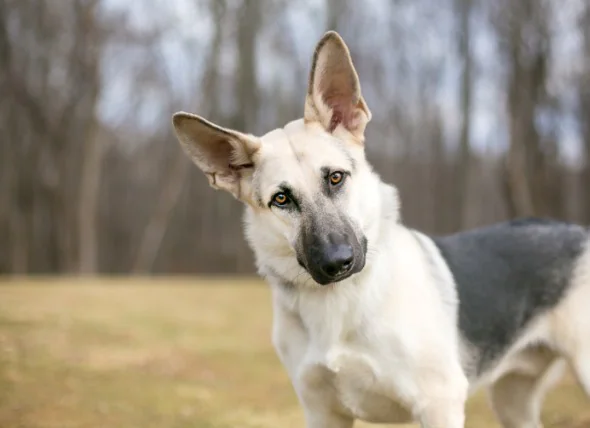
(443, 414)
(318, 417)
(320, 406)
(442, 402)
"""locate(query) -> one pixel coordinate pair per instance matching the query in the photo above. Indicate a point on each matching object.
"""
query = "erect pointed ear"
(334, 92)
(226, 157)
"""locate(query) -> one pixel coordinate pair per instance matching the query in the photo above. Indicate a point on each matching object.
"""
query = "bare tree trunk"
(247, 82)
(464, 159)
(157, 226)
(442, 213)
(89, 186)
(88, 203)
(12, 228)
(584, 91)
(518, 189)
(525, 182)
(518, 192)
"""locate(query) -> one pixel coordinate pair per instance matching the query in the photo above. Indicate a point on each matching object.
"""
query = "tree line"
(481, 113)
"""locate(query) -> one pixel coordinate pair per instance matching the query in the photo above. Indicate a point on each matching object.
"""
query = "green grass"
(166, 353)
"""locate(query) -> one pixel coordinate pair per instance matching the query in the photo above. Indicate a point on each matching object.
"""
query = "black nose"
(337, 260)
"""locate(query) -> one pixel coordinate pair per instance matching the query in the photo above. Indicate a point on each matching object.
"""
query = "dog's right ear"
(226, 157)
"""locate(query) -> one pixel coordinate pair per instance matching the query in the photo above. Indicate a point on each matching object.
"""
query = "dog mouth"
(301, 263)
(328, 279)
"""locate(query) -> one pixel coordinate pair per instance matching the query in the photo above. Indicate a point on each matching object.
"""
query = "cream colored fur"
(382, 345)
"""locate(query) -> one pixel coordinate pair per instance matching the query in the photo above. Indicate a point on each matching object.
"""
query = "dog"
(374, 320)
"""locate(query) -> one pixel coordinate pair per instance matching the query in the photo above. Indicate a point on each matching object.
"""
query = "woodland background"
(481, 112)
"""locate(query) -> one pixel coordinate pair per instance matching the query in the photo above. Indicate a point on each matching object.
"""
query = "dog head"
(311, 197)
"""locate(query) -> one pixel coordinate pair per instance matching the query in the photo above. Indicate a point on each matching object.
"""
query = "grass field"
(162, 353)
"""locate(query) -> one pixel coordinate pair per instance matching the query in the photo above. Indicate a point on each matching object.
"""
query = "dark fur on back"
(506, 274)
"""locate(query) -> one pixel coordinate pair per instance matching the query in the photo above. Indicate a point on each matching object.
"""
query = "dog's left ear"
(334, 92)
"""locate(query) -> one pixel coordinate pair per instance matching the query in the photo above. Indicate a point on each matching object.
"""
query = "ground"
(166, 353)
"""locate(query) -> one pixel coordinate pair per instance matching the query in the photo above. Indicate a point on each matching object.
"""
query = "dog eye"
(336, 178)
(280, 199)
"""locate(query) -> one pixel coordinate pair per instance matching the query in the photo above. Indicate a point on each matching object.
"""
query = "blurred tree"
(50, 86)
(170, 191)
(463, 160)
(246, 89)
(92, 178)
(584, 113)
(523, 30)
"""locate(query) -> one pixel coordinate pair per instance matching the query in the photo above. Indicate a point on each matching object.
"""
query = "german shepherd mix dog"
(376, 321)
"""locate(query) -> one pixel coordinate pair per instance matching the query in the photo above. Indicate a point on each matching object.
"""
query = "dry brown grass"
(166, 353)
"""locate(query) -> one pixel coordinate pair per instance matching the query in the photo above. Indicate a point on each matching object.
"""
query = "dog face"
(307, 186)
(305, 192)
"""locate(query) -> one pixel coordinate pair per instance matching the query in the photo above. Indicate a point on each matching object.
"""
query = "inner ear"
(336, 86)
(224, 155)
(227, 150)
(334, 93)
